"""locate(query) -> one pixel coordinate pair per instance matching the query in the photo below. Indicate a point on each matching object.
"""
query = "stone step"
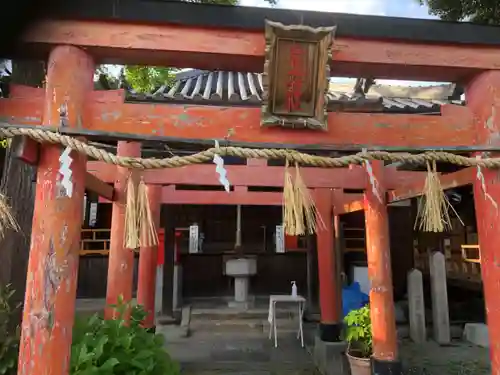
(261, 325)
(225, 314)
(224, 325)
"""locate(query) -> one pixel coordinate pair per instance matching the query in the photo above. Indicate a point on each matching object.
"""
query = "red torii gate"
(231, 38)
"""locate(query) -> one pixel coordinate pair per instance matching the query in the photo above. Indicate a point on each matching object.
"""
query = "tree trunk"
(18, 185)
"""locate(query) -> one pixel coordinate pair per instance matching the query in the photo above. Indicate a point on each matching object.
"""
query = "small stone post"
(416, 301)
(439, 294)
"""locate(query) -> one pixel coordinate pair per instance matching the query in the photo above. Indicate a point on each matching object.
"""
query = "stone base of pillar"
(330, 358)
(380, 367)
(242, 305)
(330, 332)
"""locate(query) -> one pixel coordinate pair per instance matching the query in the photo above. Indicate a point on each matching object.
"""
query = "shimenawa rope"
(302, 206)
(44, 136)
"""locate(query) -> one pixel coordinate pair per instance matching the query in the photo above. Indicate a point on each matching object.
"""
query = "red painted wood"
(172, 196)
(161, 247)
(148, 259)
(347, 203)
(328, 289)
(49, 305)
(259, 175)
(379, 269)
(243, 50)
(26, 149)
(291, 242)
(453, 128)
(121, 260)
(484, 100)
(210, 122)
(448, 181)
(96, 185)
(22, 91)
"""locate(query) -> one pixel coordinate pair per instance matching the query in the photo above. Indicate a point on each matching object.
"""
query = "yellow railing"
(466, 253)
(95, 242)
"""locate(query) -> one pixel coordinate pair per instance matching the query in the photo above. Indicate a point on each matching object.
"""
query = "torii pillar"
(121, 260)
(329, 348)
(483, 98)
(148, 260)
(385, 344)
(49, 306)
(330, 327)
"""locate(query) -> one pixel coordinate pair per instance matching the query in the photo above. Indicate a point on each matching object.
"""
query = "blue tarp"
(353, 298)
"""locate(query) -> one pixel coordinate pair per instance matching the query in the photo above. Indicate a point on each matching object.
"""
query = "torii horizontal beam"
(107, 116)
(463, 177)
(260, 176)
(28, 151)
(238, 49)
(96, 185)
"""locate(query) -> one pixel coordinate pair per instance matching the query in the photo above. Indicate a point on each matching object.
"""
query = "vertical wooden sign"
(296, 75)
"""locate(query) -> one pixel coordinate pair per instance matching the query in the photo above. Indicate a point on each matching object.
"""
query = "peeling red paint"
(453, 128)
(328, 290)
(121, 260)
(483, 99)
(379, 268)
(49, 309)
(148, 256)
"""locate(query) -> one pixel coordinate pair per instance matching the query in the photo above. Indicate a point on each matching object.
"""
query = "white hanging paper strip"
(373, 181)
(219, 162)
(480, 177)
(65, 161)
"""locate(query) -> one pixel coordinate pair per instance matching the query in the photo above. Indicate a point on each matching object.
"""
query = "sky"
(390, 8)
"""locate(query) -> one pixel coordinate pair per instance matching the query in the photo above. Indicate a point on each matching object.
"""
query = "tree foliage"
(146, 79)
(479, 11)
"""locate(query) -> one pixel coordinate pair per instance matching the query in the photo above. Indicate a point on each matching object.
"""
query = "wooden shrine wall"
(203, 273)
(460, 272)
(401, 237)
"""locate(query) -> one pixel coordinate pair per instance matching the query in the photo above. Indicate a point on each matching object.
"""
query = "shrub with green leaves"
(9, 333)
(113, 347)
(358, 332)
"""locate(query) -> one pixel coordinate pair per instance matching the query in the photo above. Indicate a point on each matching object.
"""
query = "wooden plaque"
(296, 76)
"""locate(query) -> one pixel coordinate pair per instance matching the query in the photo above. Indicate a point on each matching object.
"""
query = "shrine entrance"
(338, 155)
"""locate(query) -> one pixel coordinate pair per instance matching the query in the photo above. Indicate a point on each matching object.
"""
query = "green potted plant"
(358, 335)
(119, 346)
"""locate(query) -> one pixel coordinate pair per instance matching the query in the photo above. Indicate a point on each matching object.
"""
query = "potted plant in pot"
(358, 335)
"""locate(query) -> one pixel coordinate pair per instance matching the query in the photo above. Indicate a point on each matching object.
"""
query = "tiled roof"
(238, 88)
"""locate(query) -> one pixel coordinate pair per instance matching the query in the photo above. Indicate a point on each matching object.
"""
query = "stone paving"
(249, 352)
(239, 351)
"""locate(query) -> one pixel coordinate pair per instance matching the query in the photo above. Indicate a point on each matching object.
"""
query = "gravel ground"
(459, 358)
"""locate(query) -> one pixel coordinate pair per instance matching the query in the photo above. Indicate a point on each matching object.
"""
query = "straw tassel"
(433, 208)
(131, 230)
(147, 229)
(313, 220)
(289, 204)
(7, 220)
(300, 215)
